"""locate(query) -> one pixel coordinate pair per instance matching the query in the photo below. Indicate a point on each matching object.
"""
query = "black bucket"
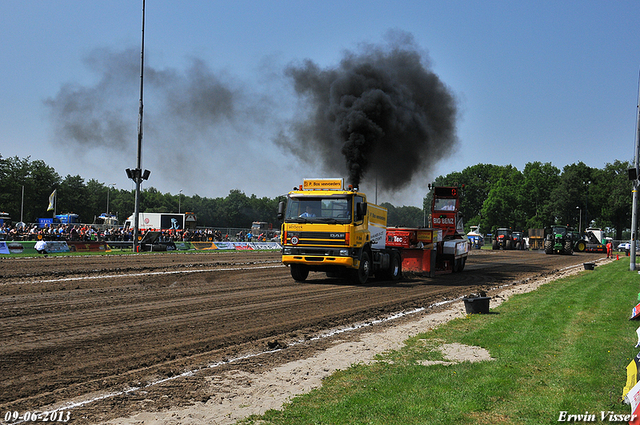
(477, 305)
(589, 266)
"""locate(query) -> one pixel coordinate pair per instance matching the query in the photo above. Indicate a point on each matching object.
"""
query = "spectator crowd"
(87, 232)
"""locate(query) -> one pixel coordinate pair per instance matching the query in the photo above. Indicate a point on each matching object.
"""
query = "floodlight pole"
(138, 179)
(634, 215)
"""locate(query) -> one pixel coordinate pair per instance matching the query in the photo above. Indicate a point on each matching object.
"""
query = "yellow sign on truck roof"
(318, 184)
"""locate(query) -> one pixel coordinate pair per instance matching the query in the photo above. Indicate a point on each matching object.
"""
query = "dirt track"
(76, 328)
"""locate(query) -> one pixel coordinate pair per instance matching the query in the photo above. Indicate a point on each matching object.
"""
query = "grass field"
(563, 347)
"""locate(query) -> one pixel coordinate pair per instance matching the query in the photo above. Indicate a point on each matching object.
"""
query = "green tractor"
(559, 241)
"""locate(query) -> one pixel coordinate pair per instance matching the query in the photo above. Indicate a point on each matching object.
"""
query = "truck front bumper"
(318, 258)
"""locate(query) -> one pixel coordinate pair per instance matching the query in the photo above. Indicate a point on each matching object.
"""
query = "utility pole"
(22, 208)
(633, 176)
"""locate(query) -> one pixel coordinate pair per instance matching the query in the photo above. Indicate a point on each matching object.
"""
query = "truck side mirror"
(281, 207)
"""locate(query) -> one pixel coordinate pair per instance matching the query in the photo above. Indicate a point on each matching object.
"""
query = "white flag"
(52, 199)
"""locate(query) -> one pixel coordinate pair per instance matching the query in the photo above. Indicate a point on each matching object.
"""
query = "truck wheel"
(458, 265)
(299, 273)
(494, 245)
(360, 276)
(396, 267)
(508, 244)
(581, 246)
(394, 272)
(455, 267)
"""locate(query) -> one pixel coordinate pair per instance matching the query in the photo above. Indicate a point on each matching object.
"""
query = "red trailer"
(440, 248)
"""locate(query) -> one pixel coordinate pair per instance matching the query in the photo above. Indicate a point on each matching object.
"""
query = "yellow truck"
(332, 229)
(329, 228)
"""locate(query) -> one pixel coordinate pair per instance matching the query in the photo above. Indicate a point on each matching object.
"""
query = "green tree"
(477, 180)
(41, 182)
(611, 191)
(539, 180)
(492, 196)
(571, 197)
(236, 209)
(152, 200)
(14, 175)
(74, 198)
(405, 216)
(503, 206)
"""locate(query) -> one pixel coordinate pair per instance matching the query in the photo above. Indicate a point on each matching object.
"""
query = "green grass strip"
(563, 347)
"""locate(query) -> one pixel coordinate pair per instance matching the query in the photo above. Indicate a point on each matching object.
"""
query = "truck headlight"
(344, 252)
(286, 251)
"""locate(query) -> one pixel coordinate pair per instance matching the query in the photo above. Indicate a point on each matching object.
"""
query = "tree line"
(493, 196)
(542, 195)
(89, 198)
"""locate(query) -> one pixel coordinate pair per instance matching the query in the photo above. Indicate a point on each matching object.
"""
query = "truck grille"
(318, 238)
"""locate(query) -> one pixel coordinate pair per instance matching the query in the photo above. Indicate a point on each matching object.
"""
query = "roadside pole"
(634, 224)
(633, 176)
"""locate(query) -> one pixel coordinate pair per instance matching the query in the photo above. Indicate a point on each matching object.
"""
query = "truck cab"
(262, 228)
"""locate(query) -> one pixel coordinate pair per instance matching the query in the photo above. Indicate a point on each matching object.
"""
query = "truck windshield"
(440, 204)
(318, 210)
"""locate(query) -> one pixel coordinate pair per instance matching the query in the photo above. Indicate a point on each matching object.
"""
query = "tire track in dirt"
(62, 339)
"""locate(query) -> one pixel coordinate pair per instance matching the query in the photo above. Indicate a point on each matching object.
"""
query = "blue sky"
(541, 81)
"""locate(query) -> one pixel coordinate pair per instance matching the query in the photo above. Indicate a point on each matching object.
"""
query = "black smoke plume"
(382, 110)
(184, 110)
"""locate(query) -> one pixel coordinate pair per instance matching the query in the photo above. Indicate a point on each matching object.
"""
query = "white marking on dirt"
(113, 276)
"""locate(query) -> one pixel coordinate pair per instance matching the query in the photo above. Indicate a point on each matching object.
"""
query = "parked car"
(626, 246)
